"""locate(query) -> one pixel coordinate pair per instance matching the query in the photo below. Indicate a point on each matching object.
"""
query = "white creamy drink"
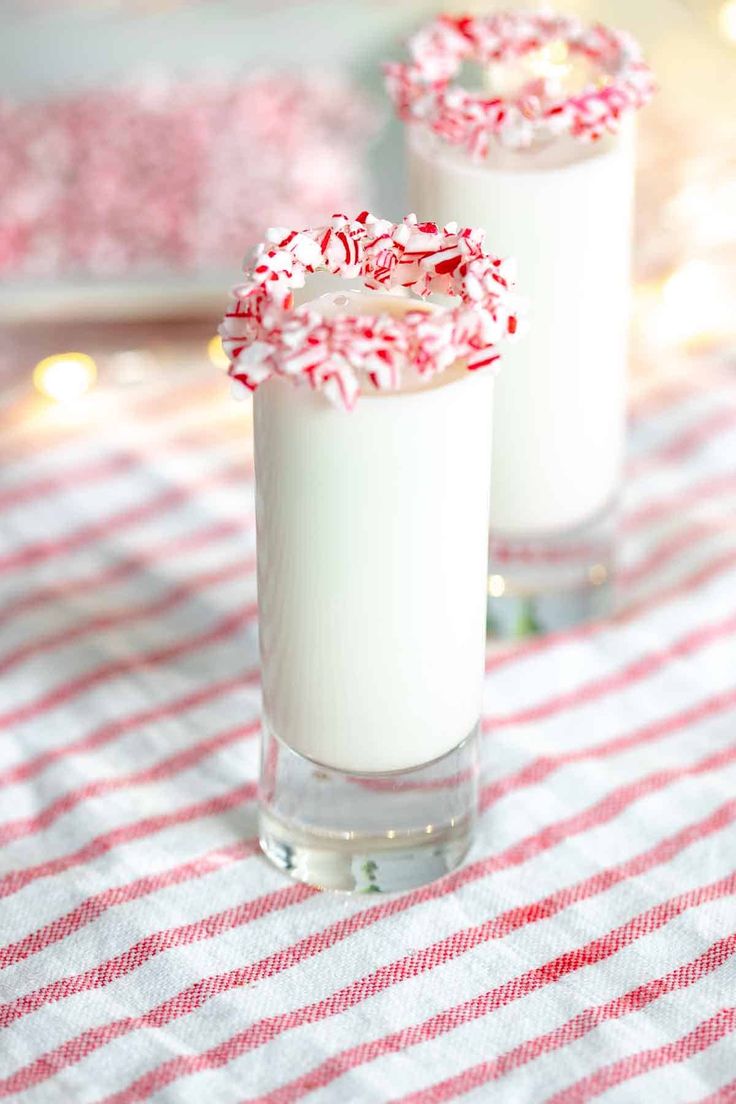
(372, 564)
(541, 156)
(373, 424)
(565, 213)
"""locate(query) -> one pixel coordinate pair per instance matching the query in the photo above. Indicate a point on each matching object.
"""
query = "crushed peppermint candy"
(265, 335)
(164, 175)
(423, 91)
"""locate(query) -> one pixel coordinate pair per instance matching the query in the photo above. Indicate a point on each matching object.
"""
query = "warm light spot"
(550, 64)
(727, 20)
(64, 377)
(216, 353)
(496, 585)
(597, 574)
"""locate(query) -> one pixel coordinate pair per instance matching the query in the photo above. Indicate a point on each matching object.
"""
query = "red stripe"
(138, 455)
(686, 442)
(144, 410)
(16, 880)
(12, 830)
(705, 1035)
(131, 515)
(538, 770)
(702, 575)
(167, 549)
(83, 472)
(452, 1018)
(672, 392)
(643, 995)
(265, 1030)
(634, 672)
(209, 927)
(66, 690)
(668, 548)
(183, 592)
(652, 512)
(93, 907)
(76, 476)
(607, 809)
(724, 1095)
(668, 395)
(112, 730)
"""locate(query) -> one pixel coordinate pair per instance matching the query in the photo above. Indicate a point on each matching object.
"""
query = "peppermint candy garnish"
(422, 90)
(264, 335)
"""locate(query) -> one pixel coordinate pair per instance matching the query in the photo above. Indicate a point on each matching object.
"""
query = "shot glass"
(372, 556)
(543, 158)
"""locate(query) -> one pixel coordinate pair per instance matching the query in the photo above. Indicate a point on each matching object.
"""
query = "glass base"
(367, 833)
(545, 584)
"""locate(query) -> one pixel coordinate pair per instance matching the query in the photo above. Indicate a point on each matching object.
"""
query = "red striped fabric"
(104, 622)
(93, 907)
(264, 1031)
(122, 569)
(429, 958)
(638, 998)
(587, 947)
(705, 1035)
(725, 1095)
(165, 768)
(684, 976)
(100, 531)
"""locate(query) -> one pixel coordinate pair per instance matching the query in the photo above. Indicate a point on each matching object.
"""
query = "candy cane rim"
(422, 90)
(265, 335)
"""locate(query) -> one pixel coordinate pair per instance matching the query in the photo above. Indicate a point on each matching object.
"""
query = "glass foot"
(367, 833)
(545, 584)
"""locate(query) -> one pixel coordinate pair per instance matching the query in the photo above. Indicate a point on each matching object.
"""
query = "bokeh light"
(65, 377)
(216, 353)
(727, 20)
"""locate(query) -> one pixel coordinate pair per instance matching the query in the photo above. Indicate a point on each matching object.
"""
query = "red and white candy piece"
(264, 335)
(422, 89)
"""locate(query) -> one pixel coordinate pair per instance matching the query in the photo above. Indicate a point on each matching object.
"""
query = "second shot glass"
(542, 157)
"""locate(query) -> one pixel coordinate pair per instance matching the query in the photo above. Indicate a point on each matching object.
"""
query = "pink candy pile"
(173, 176)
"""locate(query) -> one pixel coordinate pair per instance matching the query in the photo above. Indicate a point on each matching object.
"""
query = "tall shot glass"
(372, 548)
(543, 159)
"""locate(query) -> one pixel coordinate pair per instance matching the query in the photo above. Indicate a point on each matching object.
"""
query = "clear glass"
(544, 583)
(372, 559)
(367, 833)
(563, 209)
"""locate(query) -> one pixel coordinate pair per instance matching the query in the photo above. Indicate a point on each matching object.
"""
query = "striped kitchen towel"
(586, 949)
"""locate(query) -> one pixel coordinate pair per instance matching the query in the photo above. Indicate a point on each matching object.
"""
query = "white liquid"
(372, 552)
(559, 407)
